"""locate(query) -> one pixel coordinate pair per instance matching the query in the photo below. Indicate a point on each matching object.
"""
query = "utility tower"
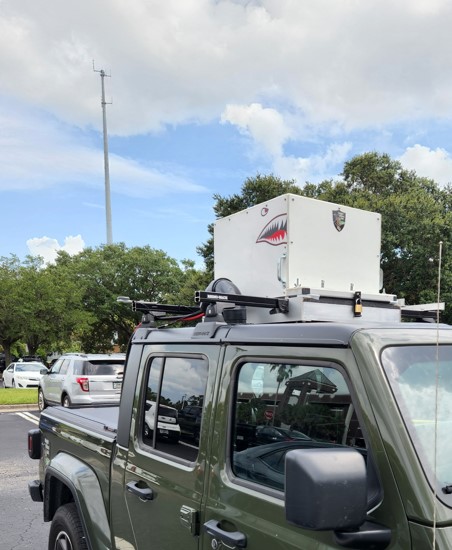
(106, 165)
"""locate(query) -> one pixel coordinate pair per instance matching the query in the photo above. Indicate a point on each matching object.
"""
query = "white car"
(23, 374)
(167, 423)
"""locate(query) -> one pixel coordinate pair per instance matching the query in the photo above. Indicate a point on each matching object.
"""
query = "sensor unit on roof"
(291, 242)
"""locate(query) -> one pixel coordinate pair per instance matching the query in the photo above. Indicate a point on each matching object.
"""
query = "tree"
(416, 215)
(193, 280)
(12, 316)
(52, 302)
(283, 373)
(254, 191)
(141, 273)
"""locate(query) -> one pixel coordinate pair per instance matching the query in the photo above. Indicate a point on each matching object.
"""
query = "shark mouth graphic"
(275, 232)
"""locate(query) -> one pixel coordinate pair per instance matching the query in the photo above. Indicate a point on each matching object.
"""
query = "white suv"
(82, 379)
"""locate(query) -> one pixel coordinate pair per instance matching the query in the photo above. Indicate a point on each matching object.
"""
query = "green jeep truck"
(314, 420)
(360, 455)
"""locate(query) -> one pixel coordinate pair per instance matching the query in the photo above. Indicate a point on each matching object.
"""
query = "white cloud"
(269, 131)
(358, 63)
(47, 247)
(313, 168)
(264, 125)
(430, 163)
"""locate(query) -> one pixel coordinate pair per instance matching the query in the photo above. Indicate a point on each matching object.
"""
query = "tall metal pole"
(106, 164)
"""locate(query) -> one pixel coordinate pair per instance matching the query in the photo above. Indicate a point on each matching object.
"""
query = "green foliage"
(416, 216)
(141, 273)
(12, 317)
(193, 280)
(72, 305)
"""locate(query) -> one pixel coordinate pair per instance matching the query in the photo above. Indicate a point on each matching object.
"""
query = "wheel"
(66, 531)
(66, 401)
(42, 404)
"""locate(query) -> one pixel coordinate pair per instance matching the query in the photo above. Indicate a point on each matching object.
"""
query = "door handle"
(143, 493)
(232, 539)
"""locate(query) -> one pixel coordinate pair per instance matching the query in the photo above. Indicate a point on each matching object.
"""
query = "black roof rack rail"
(276, 305)
(154, 307)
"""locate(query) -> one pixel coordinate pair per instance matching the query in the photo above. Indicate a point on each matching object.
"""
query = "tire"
(42, 403)
(66, 402)
(66, 531)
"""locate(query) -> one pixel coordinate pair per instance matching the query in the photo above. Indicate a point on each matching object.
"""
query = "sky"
(202, 94)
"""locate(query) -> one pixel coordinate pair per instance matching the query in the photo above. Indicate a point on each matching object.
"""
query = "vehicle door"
(308, 396)
(164, 478)
(53, 381)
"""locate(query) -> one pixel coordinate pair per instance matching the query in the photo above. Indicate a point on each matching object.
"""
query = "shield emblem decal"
(339, 219)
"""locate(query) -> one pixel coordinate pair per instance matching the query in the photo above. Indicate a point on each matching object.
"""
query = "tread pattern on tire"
(67, 519)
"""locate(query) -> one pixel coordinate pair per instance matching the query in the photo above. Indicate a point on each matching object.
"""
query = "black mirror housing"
(325, 488)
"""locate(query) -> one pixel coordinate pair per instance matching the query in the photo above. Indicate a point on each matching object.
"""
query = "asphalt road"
(21, 519)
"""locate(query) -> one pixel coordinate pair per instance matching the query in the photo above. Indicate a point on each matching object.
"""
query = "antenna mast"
(106, 165)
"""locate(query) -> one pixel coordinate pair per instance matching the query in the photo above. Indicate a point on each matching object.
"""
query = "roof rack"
(305, 306)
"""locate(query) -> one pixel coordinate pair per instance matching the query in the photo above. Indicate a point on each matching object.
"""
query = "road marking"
(28, 416)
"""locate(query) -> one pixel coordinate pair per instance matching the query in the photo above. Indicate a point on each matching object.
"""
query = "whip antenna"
(436, 393)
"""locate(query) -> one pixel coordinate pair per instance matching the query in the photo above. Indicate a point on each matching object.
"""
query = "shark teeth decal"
(275, 232)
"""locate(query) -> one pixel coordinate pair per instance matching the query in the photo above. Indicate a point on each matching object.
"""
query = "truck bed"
(101, 421)
(86, 433)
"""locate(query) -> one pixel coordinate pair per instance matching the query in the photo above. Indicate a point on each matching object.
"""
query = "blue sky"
(204, 94)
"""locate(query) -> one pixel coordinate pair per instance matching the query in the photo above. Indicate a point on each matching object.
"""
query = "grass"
(12, 396)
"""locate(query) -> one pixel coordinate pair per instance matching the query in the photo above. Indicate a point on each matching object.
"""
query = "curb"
(12, 408)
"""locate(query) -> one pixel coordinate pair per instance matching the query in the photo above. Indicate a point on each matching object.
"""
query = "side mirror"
(326, 488)
(44, 371)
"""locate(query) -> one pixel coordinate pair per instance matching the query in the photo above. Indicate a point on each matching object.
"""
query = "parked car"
(3, 361)
(266, 463)
(190, 422)
(167, 422)
(23, 374)
(270, 434)
(82, 379)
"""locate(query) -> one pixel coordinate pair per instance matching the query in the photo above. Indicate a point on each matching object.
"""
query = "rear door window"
(176, 386)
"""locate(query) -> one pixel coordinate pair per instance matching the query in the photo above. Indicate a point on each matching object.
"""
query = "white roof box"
(293, 242)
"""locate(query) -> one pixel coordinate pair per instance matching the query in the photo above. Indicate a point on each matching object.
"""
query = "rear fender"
(68, 479)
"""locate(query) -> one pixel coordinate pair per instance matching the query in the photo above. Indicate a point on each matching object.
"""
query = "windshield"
(421, 379)
(27, 367)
